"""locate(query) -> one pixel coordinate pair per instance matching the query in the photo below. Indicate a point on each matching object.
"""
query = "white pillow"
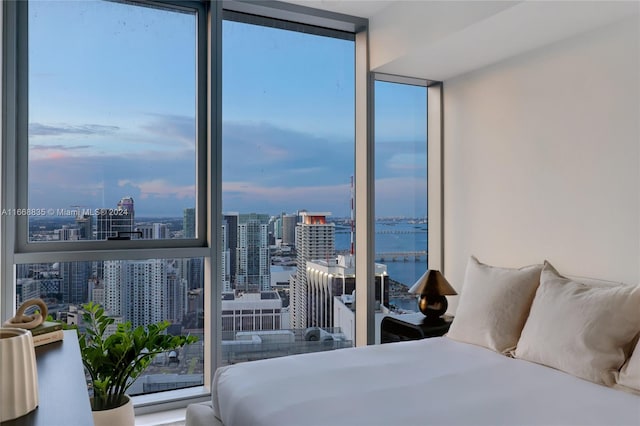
(629, 376)
(580, 329)
(494, 304)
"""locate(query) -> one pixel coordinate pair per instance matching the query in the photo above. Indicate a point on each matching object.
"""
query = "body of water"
(393, 237)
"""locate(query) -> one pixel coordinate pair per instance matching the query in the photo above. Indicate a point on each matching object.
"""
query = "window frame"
(15, 249)
(435, 158)
(26, 251)
(433, 202)
(14, 245)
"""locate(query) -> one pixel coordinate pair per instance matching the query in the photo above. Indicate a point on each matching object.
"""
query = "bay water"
(396, 236)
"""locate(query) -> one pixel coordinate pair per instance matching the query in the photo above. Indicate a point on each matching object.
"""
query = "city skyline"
(99, 130)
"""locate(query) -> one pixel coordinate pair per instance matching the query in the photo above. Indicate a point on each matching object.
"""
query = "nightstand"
(412, 327)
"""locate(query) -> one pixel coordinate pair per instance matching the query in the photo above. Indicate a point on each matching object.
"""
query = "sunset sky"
(112, 114)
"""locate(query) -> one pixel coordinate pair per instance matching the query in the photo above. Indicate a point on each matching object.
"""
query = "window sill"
(167, 403)
(170, 417)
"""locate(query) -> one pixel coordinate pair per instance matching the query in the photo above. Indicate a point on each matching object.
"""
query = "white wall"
(541, 159)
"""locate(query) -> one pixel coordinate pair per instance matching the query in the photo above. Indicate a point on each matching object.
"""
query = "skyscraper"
(85, 225)
(335, 278)
(176, 297)
(137, 290)
(289, 222)
(189, 223)
(231, 220)
(160, 231)
(146, 231)
(191, 270)
(224, 260)
(315, 240)
(26, 288)
(74, 275)
(67, 234)
(277, 227)
(112, 221)
(75, 281)
(153, 231)
(253, 260)
(126, 204)
(114, 280)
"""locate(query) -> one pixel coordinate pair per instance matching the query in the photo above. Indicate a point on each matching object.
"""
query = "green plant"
(115, 361)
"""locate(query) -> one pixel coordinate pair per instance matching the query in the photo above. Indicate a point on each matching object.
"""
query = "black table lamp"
(432, 287)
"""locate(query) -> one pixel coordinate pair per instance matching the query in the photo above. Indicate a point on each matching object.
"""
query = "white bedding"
(434, 381)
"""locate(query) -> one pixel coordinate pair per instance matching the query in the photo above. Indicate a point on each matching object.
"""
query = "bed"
(486, 379)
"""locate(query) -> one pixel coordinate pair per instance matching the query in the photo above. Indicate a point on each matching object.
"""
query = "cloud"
(265, 169)
(38, 129)
(160, 188)
(281, 157)
(246, 196)
(36, 147)
(161, 183)
(172, 128)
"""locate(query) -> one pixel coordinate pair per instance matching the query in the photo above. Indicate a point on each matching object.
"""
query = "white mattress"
(427, 382)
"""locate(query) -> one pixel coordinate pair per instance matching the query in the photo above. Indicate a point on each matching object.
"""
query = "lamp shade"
(433, 282)
(432, 288)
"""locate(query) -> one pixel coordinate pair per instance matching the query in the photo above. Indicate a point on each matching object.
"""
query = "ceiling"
(439, 40)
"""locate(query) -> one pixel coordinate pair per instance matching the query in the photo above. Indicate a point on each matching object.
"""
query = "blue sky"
(112, 114)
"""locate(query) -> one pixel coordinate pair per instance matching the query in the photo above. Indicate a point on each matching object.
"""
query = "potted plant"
(115, 361)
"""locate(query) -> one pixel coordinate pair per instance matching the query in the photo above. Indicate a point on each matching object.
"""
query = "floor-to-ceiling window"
(112, 125)
(402, 220)
(107, 187)
(287, 165)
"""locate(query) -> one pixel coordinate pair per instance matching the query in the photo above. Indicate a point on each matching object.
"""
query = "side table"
(62, 387)
(397, 328)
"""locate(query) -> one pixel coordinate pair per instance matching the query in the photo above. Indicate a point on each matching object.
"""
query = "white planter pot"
(121, 416)
(18, 373)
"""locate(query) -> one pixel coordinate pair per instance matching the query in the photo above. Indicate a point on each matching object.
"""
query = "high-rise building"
(137, 290)
(146, 231)
(196, 273)
(153, 231)
(231, 220)
(109, 222)
(277, 227)
(315, 240)
(224, 260)
(74, 275)
(112, 221)
(189, 223)
(289, 223)
(176, 297)
(325, 280)
(67, 234)
(84, 223)
(252, 253)
(160, 231)
(75, 281)
(113, 282)
(126, 204)
(26, 288)
(192, 271)
(145, 291)
(96, 291)
(271, 231)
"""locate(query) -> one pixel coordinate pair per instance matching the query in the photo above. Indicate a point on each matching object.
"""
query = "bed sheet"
(434, 381)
